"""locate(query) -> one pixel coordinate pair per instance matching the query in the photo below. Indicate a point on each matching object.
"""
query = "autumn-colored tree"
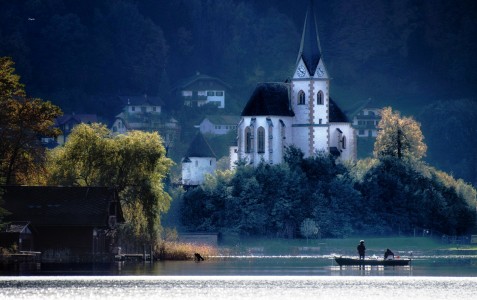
(399, 137)
(23, 121)
(135, 164)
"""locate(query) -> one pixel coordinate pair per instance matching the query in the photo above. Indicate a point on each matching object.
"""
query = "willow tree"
(135, 164)
(399, 137)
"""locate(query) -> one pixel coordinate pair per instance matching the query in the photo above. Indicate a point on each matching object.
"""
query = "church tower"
(298, 112)
(310, 91)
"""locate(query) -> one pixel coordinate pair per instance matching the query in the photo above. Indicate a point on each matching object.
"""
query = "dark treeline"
(375, 197)
(76, 53)
(402, 53)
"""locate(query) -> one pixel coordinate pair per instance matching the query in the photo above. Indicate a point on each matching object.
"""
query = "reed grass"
(173, 250)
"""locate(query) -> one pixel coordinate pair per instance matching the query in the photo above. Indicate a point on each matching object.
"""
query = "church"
(298, 112)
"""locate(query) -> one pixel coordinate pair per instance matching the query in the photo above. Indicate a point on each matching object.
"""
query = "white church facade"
(299, 112)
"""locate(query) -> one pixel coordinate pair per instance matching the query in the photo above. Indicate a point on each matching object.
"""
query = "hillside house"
(218, 124)
(145, 113)
(366, 120)
(202, 89)
(67, 122)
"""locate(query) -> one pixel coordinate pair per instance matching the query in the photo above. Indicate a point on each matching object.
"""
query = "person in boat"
(361, 249)
(388, 255)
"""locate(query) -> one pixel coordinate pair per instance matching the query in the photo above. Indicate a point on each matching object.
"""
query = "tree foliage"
(375, 196)
(135, 164)
(399, 137)
(23, 121)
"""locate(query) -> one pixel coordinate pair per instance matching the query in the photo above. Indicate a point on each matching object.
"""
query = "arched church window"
(319, 98)
(301, 98)
(248, 140)
(343, 142)
(261, 140)
(282, 130)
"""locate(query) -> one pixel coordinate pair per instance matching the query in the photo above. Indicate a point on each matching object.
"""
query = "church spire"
(310, 48)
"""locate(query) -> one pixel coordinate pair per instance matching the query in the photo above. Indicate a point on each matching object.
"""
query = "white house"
(218, 124)
(366, 120)
(198, 161)
(202, 89)
(298, 112)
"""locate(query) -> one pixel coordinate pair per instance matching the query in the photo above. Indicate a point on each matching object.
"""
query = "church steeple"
(310, 48)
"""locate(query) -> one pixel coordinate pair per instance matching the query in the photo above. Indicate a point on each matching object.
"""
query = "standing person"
(388, 254)
(361, 249)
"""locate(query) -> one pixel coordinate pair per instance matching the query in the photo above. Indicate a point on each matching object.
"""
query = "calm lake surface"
(246, 277)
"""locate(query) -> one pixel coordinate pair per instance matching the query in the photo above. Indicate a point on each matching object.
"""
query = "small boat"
(348, 261)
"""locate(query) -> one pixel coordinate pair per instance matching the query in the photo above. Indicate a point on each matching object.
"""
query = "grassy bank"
(340, 246)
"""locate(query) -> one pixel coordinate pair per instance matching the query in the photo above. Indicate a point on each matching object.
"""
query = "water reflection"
(323, 265)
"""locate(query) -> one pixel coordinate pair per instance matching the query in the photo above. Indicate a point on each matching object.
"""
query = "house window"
(133, 108)
(343, 142)
(196, 163)
(361, 132)
(219, 93)
(153, 108)
(210, 93)
(319, 98)
(301, 98)
(261, 140)
(248, 140)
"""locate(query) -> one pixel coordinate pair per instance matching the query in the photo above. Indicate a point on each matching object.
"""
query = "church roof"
(310, 49)
(336, 114)
(198, 78)
(140, 100)
(199, 148)
(269, 99)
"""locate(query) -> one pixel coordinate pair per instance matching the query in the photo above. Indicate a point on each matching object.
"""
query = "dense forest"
(416, 56)
(385, 196)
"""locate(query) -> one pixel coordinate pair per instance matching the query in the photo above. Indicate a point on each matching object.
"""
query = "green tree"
(135, 164)
(23, 121)
(399, 137)
(309, 229)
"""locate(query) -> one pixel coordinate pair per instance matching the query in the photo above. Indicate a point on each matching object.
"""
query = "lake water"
(247, 277)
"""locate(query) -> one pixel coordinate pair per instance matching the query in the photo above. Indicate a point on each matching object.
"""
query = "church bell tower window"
(319, 98)
(301, 98)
